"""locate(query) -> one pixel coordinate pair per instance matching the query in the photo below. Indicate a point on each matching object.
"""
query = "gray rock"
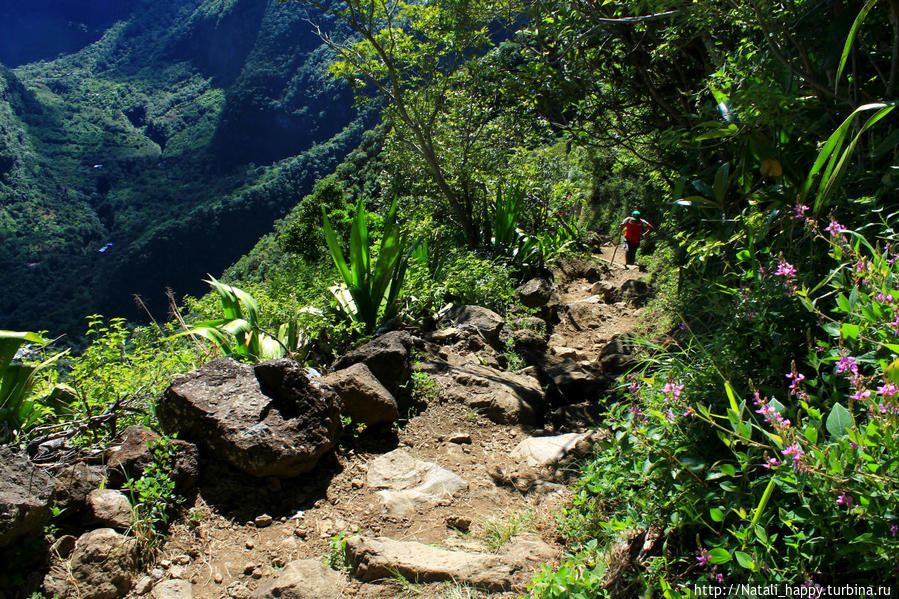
(73, 484)
(474, 319)
(547, 451)
(103, 566)
(505, 397)
(25, 493)
(173, 589)
(380, 557)
(365, 399)
(635, 291)
(387, 357)
(129, 457)
(608, 292)
(144, 585)
(303, 579)
(271, 420)
(404, 484)
(110, 508)
(589, 313)
(570, 380)
(538, 293)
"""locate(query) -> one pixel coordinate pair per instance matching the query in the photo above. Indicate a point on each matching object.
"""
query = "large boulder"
(404, 484)
(104, 565)
(505, 397)
(381, 557)
(635, 291)
(303, 579)
(110, 508)
(364, 398)
(569, 381)
(538, 293)
(474, 319)
(267, 420)
(541, 452)
(387, 357)
(134, 452)
(25, 493)
(72, 484)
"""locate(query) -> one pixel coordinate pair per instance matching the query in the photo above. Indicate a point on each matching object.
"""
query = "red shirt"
(633, 229)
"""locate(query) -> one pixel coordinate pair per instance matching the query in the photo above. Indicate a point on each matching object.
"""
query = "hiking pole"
(616, 249)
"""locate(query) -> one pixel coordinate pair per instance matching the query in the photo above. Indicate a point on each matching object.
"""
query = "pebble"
(238, 591)
(157, 573)
(177, 572)
(263, 521)
(250, 544)
(249, 567)
(144, 585)
(300, 532)
(257, 573)
(217, 577)
(182, 559)
(460, 438)
(462, 523)
(164, 563)
(357, 483)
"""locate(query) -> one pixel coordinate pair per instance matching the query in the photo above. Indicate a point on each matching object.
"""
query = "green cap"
(635, 213)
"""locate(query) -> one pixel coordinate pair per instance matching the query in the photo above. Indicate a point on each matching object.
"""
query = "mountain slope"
(158, 153)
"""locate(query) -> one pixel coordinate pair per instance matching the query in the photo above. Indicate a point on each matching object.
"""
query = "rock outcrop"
(103, 566)
(387, 357)
(364, 398)
(267, 420)
(404, 484)
(474, 320)
(381, 557)
(25, 493)
(505, 397)
(129, 457)
(303, 579)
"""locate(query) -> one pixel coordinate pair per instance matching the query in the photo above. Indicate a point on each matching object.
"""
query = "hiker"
(633, 230)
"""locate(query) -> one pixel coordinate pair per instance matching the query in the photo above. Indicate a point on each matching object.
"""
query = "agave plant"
(239, 334)
(19, 409)
(370, 287)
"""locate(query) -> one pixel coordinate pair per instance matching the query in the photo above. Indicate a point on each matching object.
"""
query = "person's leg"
(630, 252)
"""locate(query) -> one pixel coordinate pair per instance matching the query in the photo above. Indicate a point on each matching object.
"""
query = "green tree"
(414, 57)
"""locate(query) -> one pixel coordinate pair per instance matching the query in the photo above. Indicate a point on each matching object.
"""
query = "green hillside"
(177, 136)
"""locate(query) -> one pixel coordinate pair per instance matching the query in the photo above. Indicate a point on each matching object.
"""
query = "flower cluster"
(772, 416)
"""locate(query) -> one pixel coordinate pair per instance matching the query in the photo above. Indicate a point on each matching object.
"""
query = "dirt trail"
(228, 549)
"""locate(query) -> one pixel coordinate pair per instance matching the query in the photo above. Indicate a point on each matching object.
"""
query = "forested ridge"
(745, 431)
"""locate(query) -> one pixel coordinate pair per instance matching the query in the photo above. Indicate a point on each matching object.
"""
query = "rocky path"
(459, 501)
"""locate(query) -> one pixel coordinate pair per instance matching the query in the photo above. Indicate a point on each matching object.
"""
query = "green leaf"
(716, 514)
(892, 371)
(851, 38)
(839, 421)
(731, 396)
(745, 560)
(849, 331)
(763, 502)
(719, 555)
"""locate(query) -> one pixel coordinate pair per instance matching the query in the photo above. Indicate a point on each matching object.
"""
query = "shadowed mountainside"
(156, 153)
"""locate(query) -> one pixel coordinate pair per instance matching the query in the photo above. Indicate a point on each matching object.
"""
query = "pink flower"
(845, 499)
(796, 377)
(888, 390)
(672, 391)
(861, 395)
(834, 228)
(795, 452)
(703, 557)
(799, 210)
(771, 463)
(847, 364)
(894, 529)
(785, 269)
